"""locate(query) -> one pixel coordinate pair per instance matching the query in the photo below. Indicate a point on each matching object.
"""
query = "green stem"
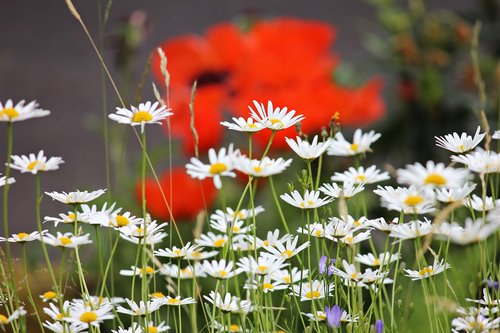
(280, 211)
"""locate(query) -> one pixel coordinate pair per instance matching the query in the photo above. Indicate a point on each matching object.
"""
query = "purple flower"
(492, 284)
(333, 315)
(322, 264)
(379, 326)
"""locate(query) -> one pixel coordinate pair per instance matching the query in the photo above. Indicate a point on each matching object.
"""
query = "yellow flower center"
(141, 116)
(88, 317)
(177, 252)
(376, 262)
(354, 147)
(251, 125)
(33, 164)
(426, 271)
(222, 273)
(157, 294)
(152, 329)
(462, 148)
(354, 276)
(147, 270)
(236, 229)
(60, 316)
(357, 223)
(313, 294)
(287, 279)
(219, 242)
(4, 320)
(287, 253)
(321, 316)
(262, 268)
(266, 243)
(22, 235)
(360, 178)
(71, 217)
(10, 112)
(139, 231)
(275, 121)
(268, 286)
(121, 221)
(234, 328)
(349, 239)
(436, 179)
(65, 240)
(49, 295)
(257, 169)
(317, 233)
(217, 168)
(304, 204)
(413, 200)
(173, 301)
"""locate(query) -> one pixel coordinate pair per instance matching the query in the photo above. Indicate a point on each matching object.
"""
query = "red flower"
(188, 195)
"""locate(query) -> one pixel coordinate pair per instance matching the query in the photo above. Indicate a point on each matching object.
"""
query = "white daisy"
(233, 328)
(241, 124)
(188, 272)
(412, 229)
(147, 271)
(67, 240)
(59, 327)
(212, 240)
(315, 229)
(145, 113)
(4, 320)
(105, 216)
(220, 269)
(177, 253)
(261, 168)
(272, 238)
(176, 301)
(314, 289)
(480, 161)
(487, 300)
(382, 259)
(425, 272)
(287, 250)
(475, 324)
(283, 275)
(264, 265)
(460, 144)
(352, 276)
(341, 227)
(80, 313)
(473, 231)
(235, 227)
(454, 194)
(266, 284)
(308, 151)
(310, 199)
(476, 202)
(410, 200)
(274, 118)
(140, 309)
(12, 113)
(347, 190)
(151, 328)
(35, 163)
(200, 254)
(437, 175)
(221, 164)
(351, 239)
(70, 217)
(4, 180)
(361, 176)
(382, 225)
(54, 312)
(49, 296)
(229, 303)
(23, 237)
(77, 197)
(231, 215)
(152, 234)
(360, 144)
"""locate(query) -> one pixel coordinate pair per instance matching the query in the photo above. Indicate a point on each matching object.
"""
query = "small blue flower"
(379, 326)
(322, 264)
(333, 315)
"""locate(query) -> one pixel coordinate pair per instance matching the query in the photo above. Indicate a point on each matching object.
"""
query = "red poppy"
(189, 195)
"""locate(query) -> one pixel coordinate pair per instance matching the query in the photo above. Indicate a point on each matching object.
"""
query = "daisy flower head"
(177, 253)
(266, 284)
(435, 174)
(412, 229)
(66, 240)
(262, 168)
(449, 195)
(241, 124)
(151, 234)
(220, 269)
(478, 323)
(231, 214)
(487, 300)
(361, 144)
(4, 180)
(220, 164)
(177, 301)
(79, 313)
(138, 271)
(308, 151)
(315, 289)
(49, 296)
(23, 237)
(212, 240)
(35, 163)
(264, 265)
(310, 199)
(62, 327)
(410, 200)
(274, 118)
(4, 320)
(480, 161)
(460, 144)
(229, 303)
(382, 225)
(478, 204)
(361, 175)
(77, 197)
(21, 111)
(347, 190)
(70, 217)
(283, 275)
(140, 309)
(145, 113)
(382, 259)
(273, 237)
(473, 231)
(231, 227)
(287, 250)
(188, 272)
(425, 272)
